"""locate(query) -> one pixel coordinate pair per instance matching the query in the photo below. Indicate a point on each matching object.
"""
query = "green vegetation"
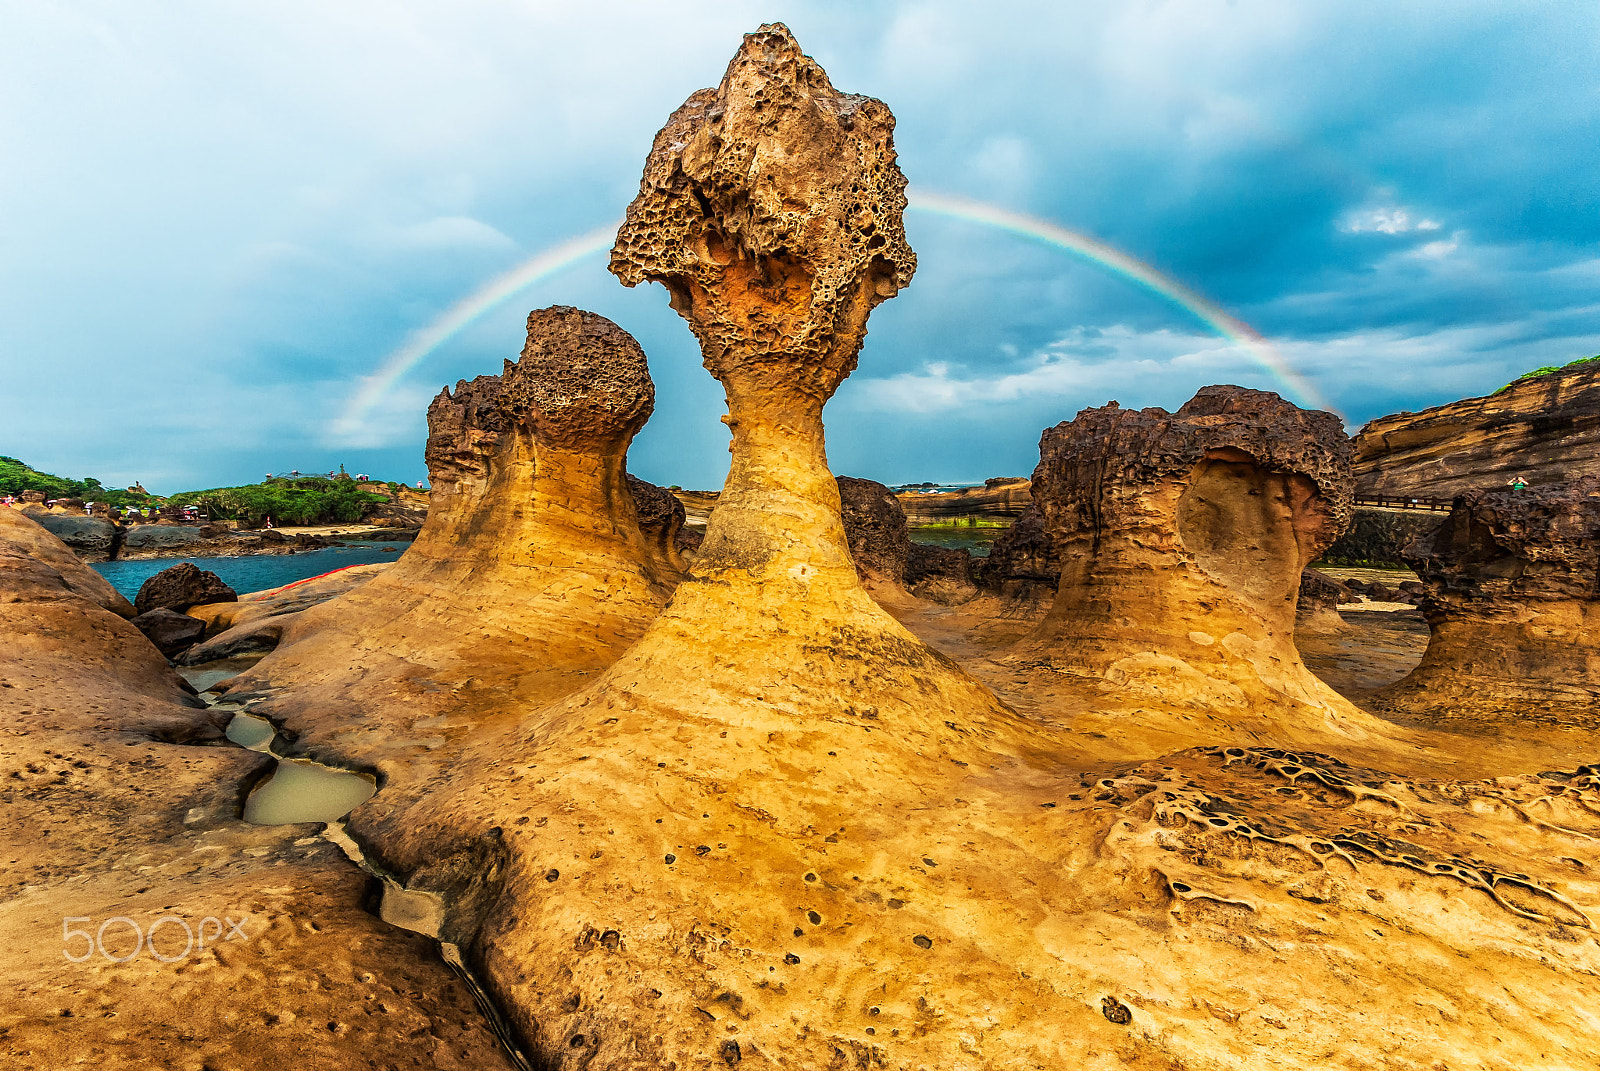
(303, 500)
(18, 476)
(1547, 369)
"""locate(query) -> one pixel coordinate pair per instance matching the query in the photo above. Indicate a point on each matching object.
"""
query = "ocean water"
(254, 572)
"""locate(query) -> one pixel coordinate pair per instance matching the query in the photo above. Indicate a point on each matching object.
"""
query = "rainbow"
(552, 261)
(453, 320)
(1134, 270)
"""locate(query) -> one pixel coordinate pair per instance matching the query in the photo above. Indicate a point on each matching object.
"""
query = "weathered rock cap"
(1111, 446)
(180, 587)
(770, 208)
(582, 381)
(1531, 545)
(464, 430)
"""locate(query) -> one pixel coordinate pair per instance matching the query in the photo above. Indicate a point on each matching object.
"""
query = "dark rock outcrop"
(1317, 606)
(1023, 563)
(940, 574)
(1379, 537)
(661, 518)
(875, 525)
(182, 586)
(169, 630)
(1182, 539)
(93, 539)
(1512, 597)
(1545, 430)
(159, 537)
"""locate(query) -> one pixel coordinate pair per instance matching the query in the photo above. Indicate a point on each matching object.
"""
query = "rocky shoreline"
(96, 539)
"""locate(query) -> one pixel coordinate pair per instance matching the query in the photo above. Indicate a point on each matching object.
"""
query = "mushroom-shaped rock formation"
(1182, 537)
(529, 576)
(1512, 599)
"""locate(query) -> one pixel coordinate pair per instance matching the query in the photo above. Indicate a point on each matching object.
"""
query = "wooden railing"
(1441, 505)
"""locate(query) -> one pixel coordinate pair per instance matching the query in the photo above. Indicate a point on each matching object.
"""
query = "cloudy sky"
(218, 220)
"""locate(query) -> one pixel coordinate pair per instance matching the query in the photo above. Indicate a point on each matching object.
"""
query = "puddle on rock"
(250, 731)
(304, 791)
(299, 790)
(207, 675)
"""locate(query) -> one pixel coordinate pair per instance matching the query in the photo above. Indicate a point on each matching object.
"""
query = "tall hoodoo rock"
(530, 575)
(1513, 601)
(1182, 537)
(770, 208)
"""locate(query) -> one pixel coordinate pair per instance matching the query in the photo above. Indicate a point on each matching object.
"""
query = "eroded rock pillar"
(1512, 599)
(1182, 537)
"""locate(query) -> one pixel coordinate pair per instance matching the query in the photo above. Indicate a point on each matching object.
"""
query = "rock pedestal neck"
(1512, 581)
(1182, 537)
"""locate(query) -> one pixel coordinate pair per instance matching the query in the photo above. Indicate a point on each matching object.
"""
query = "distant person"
(1519, 484)
(269, 522)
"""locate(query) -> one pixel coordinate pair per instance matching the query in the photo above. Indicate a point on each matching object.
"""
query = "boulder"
(1023, 563)
(169, 630)
(1183, 538)
(150, 539)
(92, 538)
(1545, 429)
(1317, 607)
(940, 574)
(875, 526)
(182, 586)
(24, 535)
(1511, 593)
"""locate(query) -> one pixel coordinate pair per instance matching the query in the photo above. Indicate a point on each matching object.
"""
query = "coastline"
(96, 540)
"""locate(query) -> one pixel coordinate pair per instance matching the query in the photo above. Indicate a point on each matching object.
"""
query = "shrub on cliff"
(18, 476)
(1548, 369)
(308, 500)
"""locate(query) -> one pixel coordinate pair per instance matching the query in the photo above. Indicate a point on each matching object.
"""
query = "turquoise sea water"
(255, 572)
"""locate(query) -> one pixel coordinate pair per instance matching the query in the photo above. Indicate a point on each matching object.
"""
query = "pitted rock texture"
(661, 518)
(1545, 430)
(182, 586)
(770, 207)
(582, 381)
(1182, 537)
(1512, 598)
(875, 525)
